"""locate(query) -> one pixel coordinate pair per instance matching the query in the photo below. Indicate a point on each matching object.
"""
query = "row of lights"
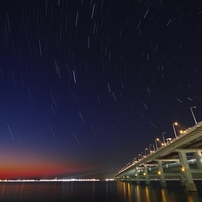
(153, 148)
(165, 141)
(159, 172)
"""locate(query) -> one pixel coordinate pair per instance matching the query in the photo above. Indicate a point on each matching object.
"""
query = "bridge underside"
(181, 159)
(186, 171)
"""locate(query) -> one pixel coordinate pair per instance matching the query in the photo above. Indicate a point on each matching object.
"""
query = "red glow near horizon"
(28, 166)
(38, 171)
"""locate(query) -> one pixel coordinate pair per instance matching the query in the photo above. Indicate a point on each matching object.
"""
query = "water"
(96, 192)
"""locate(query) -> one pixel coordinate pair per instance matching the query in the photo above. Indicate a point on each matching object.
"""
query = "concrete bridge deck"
(181, 158)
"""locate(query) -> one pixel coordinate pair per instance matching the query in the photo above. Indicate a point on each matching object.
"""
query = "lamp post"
(145, 151)
(175, 124)
(153, 147)
(193, 114)
(164, 142)
(150, 148)
(157, 139)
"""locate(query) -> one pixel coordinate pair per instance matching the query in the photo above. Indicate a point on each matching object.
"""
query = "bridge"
(180, 158)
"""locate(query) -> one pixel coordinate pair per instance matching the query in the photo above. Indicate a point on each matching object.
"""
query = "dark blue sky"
(85, 86)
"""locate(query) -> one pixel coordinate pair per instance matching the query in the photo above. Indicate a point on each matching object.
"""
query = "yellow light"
(144, 173)
(159, 172)
(183, 169)
(175, 123)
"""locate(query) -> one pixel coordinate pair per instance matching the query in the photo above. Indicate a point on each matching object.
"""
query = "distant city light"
(51, 180)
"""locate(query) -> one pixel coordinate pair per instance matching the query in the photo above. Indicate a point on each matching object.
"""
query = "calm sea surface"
(97, 191)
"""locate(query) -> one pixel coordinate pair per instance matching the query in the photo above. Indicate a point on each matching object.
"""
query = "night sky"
(87, 85)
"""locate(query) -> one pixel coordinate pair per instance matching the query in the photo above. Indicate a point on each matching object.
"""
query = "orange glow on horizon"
(46, 170)
(19, 164)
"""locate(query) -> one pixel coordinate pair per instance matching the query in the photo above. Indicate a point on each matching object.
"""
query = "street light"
(145, 151)
(193, 113)
(157, 139)
(150, 151)
(153, 147)
(175, 124)
(164, 142)
(182, 131)
(168, 140)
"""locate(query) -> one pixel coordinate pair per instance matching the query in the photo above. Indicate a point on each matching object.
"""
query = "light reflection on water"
(140, 193)
(94, 192)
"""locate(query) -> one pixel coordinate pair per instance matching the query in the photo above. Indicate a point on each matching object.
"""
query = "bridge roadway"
(181, 158)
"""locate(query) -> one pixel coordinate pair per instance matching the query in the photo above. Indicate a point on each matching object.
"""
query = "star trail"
(85, 86)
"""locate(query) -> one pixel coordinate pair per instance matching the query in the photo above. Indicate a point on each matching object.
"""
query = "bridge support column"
(137, 180)
(182, 181)
(190, 185)
(198, 157)
(161, 173)
(147, 177)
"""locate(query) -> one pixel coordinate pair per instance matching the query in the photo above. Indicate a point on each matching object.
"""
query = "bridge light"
(159, 172)
(164, 138)
(144, 174)
(193, 114)
(182, 131)
(150, 150)
(135, 175)
(145, 151)
(183, 169)
(157, 139)
(175, 124)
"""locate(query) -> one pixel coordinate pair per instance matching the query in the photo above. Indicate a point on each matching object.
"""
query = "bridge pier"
(147, 177)
(190, 185)
(182, 181)
(198, 156)
(137, 180)
(161, 173)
